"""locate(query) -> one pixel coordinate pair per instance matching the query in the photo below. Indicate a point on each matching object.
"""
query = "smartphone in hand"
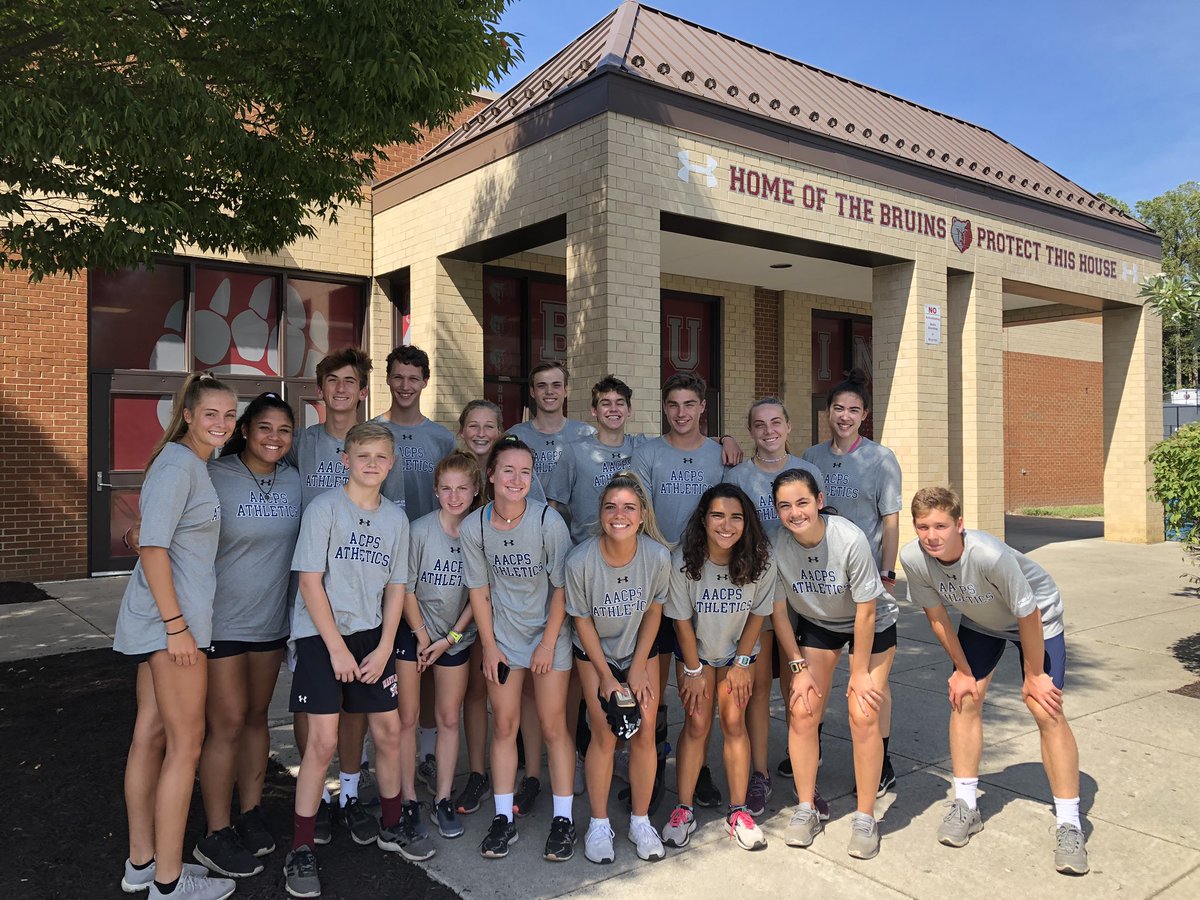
(502, 671)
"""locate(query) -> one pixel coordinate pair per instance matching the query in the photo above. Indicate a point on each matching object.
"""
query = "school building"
(657, 197)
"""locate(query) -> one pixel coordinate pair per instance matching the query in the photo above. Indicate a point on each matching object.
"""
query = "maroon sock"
(391, 809)
(305, 831)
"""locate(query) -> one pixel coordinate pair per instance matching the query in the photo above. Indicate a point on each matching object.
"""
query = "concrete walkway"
(1126, 608)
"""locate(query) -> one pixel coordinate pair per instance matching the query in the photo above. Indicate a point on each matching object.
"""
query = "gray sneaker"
(135, 880)
(803, 827)
(1070, 850)
(300, 873)
(427, 772)
(864, 837)
(404, 840)
(446, 819)
(363, 826)
(959, 824)
(189, 887)
(678, 830)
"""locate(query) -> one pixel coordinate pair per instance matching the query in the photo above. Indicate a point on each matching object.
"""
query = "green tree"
(130, 126)
(1116, 202)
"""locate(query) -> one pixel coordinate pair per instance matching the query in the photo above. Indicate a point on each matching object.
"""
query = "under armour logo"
(813, 559)
(265, 482)
(365, 523)
(303, 698)
(340, 451)
(689, 461)
(687, 167)
(722, 578)
(549, 443)
(837, 465)
(616, 455)
(509, 543)
(624, 579)
(456, 549)
(406, 437)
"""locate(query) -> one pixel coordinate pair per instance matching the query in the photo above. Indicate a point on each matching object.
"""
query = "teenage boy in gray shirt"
(549, 430)
(1004, 597)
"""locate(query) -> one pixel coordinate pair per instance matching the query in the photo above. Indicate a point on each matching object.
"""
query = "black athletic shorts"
(810, 634)
(226, 649)
(316, 690)
(406, 650)
(621, 675)
(665, 643)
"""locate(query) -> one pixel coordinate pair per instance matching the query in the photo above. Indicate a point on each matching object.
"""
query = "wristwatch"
(890, 575)
(743, 661)
(798, 665)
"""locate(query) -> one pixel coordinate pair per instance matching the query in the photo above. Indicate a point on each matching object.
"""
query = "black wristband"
(172, 619)
(180, 631)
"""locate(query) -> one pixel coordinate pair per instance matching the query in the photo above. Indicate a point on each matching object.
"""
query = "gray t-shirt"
(318, 456)
(180, 511)
(676, 479)
(826, 583)
(260, 521)
(717, 607)
(435, 575)
(583, 470)
(419, 448)
(991, 584)
(615, 598)
(522, 567)
(358, 551)
(757, 484)
(548, 448)
(864, 486)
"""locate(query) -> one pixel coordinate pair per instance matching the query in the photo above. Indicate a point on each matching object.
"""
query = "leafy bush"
(1176, 463)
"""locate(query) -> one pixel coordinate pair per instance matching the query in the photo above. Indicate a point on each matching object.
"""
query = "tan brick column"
(795, 364)
(613, 304)
(975, 391)
(910, 375)
(447, 323)
(1132, 423)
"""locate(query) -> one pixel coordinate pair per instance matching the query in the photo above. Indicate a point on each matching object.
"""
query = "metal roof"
(665, 50)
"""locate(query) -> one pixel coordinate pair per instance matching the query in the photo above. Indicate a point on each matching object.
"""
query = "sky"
(1106, 93)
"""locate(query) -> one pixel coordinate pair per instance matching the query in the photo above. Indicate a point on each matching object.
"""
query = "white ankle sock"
(599, 823)
(563, 806)
(349, 787)
(638, 820)
(1067, 811)
(965, 789)
(504, 805)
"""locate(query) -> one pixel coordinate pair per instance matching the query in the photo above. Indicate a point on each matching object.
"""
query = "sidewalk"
(1139, 745)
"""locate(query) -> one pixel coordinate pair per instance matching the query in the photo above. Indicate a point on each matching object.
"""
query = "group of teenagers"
(532, 579)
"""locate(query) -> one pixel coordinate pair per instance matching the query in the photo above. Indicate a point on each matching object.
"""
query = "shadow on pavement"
(1026, 533)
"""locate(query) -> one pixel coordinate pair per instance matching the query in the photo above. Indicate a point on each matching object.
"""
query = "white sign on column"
(933, 324)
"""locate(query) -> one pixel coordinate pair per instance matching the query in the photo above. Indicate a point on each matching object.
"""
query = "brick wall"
(405, 156)
(43, 428)
(1053, 430)
(766, 342)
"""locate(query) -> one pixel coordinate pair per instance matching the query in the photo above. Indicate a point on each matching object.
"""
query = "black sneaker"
(403, 840)
(887, 778)
(411, 812)
(254, 834)
(323, 833)
(448, 825)
(526, 793)
(363, 826)
(501, 835)
(222, 852)
(707, 793)
(560, 845)
(477, 789)
(785, 767)
(300, 873)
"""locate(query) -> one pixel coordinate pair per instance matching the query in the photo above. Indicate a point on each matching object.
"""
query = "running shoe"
(803, 827)
(820, 804)
(784, 769)
(864, 837)
(1070, 850)
(427, 772)
(744, 830)
(598, 843)
(526, 794)
(758, 793)
(477, 789)
(404, 840)
(887, 777)
(560, 845)
(448, 824)
(223, 852)
(959, 823)
(649, 846)
(323, 832)
(300, 873)
(135, 880)
(189, 887)
(411, 812)
(363, 826)
(501, 835)
(678, 830)
(254, 833)
(707, 793)
(368, 787)
(580, 776)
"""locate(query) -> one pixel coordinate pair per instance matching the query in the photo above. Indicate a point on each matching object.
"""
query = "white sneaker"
(745, 830)
(580, 776)
(649, 846)
(189, 887)
(135, 880)
(598, 843)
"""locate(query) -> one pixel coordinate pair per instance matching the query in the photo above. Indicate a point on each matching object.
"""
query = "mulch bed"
(21, 592)
(65, 725)
(1189, 690)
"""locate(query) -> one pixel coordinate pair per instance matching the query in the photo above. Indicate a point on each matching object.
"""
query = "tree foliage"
(1176, 463)
(131, 126)
(1115, 202)
(1175, 215)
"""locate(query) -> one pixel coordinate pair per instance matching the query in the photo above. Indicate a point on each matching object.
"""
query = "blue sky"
(1105, 92)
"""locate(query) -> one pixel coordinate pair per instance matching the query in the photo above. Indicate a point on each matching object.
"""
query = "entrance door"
(691, 343)
(839, 343)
